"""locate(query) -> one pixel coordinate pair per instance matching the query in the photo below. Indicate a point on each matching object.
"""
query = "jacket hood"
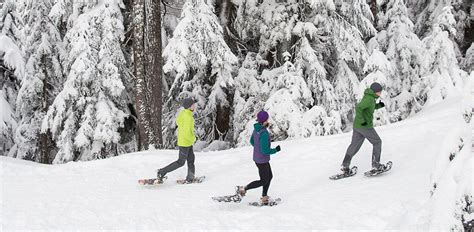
(257, 126)
(370, 92)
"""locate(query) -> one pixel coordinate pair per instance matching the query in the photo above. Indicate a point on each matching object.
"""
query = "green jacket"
(185, 122)
(365, 110)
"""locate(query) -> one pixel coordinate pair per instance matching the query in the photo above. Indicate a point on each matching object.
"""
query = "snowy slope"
(104, 195)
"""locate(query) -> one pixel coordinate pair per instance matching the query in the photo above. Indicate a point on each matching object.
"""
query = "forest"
(91, 79)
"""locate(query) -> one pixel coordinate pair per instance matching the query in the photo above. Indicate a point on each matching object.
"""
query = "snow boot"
(240, 190)
(265, 200)
(345, 170)
(160, 177)
(379, 168)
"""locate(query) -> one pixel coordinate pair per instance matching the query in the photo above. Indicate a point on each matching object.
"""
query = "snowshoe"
(152, 181)
(237, 197)
(230, 198)
(266, 201)
(381, 169)
(199, 179)
(346, 172)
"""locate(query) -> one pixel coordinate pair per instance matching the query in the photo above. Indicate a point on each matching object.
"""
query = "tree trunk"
(154, 69)
(139, 72)
(226, 10)
(373, 8)
(43, 137)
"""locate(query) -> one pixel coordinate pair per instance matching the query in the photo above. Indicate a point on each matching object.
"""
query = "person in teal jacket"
(363, 128)
(261, 142)
(186, 139)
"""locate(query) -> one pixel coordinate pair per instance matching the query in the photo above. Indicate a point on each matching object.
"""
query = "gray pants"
(358, 137)
(185, 154)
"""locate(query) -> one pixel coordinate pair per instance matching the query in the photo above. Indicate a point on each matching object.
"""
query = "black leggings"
(265, 172)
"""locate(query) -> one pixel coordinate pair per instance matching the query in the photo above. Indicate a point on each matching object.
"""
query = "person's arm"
(191, 127)
(251, 139)
(178, 120)
(265, 145)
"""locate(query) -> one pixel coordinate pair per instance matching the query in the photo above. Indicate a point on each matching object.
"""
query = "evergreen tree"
(248, 100)
(44, 77)
(445, 76)
(407, 55)
(86, 115)
(201, 63)
(469, 60)
(289, 98)
(379, 70)
(11, 73)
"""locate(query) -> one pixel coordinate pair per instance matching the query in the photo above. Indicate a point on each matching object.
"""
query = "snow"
(104, 194)
(6, 115)
(217, 145)
(11, 55)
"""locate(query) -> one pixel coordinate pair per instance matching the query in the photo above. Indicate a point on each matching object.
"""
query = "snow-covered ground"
(104, 194)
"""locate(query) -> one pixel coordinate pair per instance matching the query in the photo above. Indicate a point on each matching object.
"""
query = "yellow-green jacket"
(185, 122)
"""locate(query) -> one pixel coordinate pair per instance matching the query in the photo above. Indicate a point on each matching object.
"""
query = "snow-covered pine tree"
(42, 81)
(267, 29)
(310, 48)
(407, 55)
(86, 115)
(380, 70)
(249, 99)
(60, 14)
(445, 76)
(200, 63)
(11, 73)
(469, 59)
(289, 98)
(347, 26)
(327, 47)
(428, 11)
(10, 21)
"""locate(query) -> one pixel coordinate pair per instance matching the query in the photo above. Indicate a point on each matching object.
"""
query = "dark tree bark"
(154, 70)
(227, 12)
(148, 71)
(43, 137)
(139, 72)
(373, 8)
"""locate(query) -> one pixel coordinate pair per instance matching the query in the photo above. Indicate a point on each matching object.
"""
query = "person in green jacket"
(186, 139)
(363, 128)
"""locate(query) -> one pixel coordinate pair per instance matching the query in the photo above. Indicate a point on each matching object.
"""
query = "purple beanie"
(262, 116)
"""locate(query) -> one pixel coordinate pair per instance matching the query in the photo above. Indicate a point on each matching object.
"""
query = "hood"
(257, 126)
(370, 92)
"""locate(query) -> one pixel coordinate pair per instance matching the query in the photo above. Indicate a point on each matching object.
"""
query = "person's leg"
(356, 143)
(268, 178)
(176, 164)
(376, 142)
(191, 168)
(257, 183)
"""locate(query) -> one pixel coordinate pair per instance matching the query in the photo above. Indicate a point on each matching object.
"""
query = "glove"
(364, 124)
(278, 148)
(381, 104)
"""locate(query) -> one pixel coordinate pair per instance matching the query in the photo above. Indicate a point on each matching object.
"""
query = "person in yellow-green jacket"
(186, 139)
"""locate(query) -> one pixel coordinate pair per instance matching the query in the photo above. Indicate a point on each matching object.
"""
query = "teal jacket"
(365, 110)
(264, 143)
